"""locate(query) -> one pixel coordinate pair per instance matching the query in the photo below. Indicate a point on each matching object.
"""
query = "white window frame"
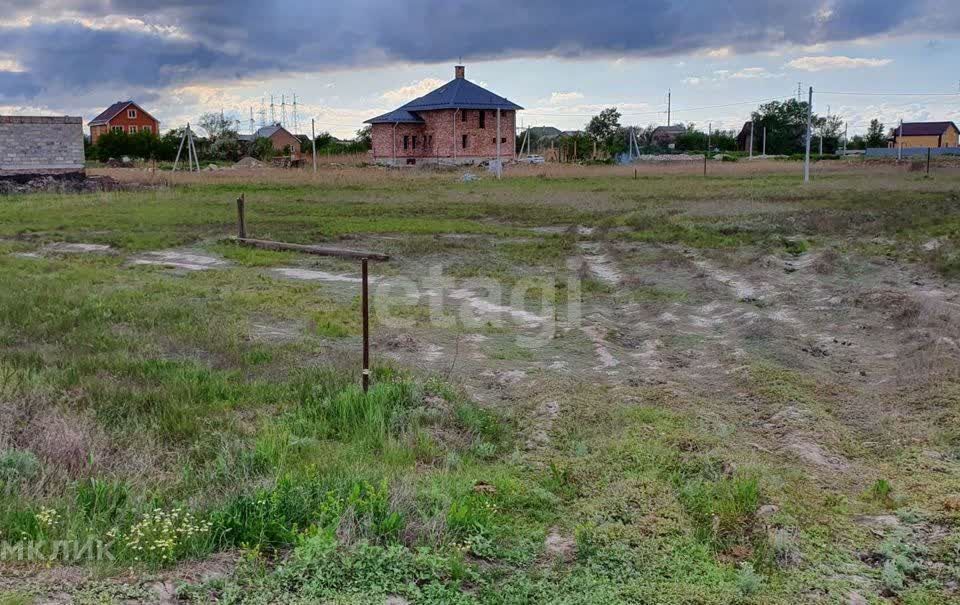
(132, 129)
(132, 114)
(116, 129)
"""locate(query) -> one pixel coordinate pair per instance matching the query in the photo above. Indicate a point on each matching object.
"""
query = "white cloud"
(562, 98)
(753, 73)
(823, 63)
(692, 80)
(405, 94)
(9, 63)
(719, 53)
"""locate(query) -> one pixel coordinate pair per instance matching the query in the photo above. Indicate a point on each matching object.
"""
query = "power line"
(649, 113)
(891, 94)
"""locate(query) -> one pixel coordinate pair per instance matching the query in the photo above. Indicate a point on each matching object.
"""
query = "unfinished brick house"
(456, 123)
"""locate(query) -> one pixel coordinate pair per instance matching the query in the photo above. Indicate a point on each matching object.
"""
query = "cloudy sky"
(563, 60)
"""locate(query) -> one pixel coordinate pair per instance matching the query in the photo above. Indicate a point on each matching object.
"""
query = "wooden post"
(366, 327)
(241, 219)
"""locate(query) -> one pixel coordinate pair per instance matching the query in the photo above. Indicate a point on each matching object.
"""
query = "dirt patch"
(559, 547)
(601, 265)
(484, 307)
(75, 248)
(179, 259)
(546, 413)
(815, 454)
(314, 275)
(275, 332)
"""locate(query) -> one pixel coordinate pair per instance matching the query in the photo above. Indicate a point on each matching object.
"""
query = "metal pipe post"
(366, 327)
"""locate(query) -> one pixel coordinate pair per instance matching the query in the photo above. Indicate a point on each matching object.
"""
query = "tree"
(364, 138)
(696, 140)
(829, 130)
(605, 129)
(875, 134)
(857, 142)
(222, 137)
(262, 149)
(217, 126)
(786, 124)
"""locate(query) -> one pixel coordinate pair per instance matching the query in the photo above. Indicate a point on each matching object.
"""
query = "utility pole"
(709, 133)
(669, 107)
(799, 91)
(806, 161)
(313, 139)
(273, 113)
(283, 110)
(751, 138)
(900, 142)
(764, 141)
(846, 128)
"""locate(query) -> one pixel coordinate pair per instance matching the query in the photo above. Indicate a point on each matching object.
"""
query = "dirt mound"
(40, 183)
(249, 162)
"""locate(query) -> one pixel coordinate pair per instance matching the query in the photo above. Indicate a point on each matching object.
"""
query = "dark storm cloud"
(189, 41)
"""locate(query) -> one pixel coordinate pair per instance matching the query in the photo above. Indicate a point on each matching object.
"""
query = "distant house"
(925, 134)
(743, 138)
(666, 136)
(457, 122)
(284, 142)
(123, 116)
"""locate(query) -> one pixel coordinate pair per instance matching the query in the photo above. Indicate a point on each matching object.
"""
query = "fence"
(911, 152)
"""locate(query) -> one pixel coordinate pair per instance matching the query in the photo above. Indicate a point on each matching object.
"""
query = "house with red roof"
(458, 122)
(123, 116)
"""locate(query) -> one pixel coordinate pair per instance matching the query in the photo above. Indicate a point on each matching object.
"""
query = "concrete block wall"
(41, 144)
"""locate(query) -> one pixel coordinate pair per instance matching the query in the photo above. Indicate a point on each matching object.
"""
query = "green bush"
(17, 466)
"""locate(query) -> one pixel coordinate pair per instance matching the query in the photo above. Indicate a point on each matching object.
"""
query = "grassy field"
(756, 399)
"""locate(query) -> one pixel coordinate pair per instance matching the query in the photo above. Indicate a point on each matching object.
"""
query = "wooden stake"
(241, 219)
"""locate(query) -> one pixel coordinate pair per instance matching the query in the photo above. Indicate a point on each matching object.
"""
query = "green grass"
(181, 415)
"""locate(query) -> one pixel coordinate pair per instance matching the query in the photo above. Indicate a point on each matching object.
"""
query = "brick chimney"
(458, 72)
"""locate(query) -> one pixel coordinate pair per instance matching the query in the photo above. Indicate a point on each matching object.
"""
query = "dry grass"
(355, 170)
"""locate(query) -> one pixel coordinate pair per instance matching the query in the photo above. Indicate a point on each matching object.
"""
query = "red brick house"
(455, 123)
(124, 116)
(284, 142)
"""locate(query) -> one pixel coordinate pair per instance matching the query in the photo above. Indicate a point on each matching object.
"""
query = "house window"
(132, 130)
(118, 128)
(414, 141)
(463, 116)
(430, 140)
(483, 122)
(132, 114)
(463, 141)
(503, 140)
(406, 141)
